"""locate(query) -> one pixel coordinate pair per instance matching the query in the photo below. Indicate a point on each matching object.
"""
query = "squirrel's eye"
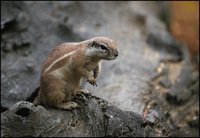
(103, 47)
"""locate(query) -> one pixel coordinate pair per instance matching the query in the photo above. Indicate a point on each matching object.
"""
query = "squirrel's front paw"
(92, 81)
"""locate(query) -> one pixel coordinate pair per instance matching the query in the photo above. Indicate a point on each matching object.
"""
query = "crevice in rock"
(3, 109)
(24, 112)
(33, 95)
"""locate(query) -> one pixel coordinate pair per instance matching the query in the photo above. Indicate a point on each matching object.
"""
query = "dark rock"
(164, 42)
(3, 109)
(6, 22)
(194, 122)
(181, 91)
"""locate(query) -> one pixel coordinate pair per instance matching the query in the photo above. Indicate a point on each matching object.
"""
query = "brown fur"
(60, 81)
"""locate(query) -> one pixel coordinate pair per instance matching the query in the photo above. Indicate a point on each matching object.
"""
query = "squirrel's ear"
(93, 43)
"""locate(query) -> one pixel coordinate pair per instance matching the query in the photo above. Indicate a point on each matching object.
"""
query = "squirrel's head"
(103, 48)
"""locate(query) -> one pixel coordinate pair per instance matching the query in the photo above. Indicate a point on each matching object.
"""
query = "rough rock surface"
(94, 118)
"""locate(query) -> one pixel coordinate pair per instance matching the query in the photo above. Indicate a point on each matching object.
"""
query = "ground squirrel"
(65, 67)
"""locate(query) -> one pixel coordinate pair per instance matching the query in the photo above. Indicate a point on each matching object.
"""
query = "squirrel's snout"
(116, 53)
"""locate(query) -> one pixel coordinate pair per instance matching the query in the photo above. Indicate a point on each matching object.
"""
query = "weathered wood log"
(94, 117)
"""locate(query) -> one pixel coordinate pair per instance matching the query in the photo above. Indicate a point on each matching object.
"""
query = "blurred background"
(184, 24)
(156, 74)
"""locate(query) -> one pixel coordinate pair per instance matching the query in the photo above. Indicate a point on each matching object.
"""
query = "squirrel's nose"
(116, 53)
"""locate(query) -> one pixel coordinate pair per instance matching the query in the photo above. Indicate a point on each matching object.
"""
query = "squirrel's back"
(58, 52)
